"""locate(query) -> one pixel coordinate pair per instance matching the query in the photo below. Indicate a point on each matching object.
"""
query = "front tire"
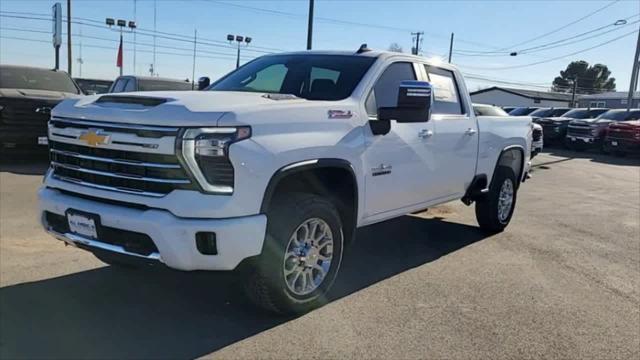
(494, 211)
(301, 255)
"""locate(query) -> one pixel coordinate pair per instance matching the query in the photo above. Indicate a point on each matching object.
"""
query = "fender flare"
(522, 158)
(305, 165)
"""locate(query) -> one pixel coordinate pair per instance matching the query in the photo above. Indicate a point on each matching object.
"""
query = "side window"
(119, 86)
(131, 86)
(385, 91)
(446, 98)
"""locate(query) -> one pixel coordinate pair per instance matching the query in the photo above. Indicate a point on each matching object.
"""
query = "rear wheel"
(300, 257)
(494, 211)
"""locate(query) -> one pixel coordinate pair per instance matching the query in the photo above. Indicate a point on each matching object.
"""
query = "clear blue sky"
(479, 26)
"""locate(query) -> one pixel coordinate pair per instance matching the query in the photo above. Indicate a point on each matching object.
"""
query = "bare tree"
(395, 47)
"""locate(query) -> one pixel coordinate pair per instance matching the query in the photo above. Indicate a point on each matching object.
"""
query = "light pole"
(122, 24)
(238, 39)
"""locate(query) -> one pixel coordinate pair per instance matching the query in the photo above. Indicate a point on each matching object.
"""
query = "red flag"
(119, 59)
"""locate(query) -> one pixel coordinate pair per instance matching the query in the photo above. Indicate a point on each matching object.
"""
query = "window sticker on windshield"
(444, 89)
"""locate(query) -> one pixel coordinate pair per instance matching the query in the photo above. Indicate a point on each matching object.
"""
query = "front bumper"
(622, 145)
(27, 137)
(174, 237)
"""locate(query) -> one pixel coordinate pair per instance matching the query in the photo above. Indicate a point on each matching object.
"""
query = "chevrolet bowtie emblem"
(94, 138)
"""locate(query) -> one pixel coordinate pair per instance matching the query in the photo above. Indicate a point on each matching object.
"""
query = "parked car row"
(609, 130)
(27, 95)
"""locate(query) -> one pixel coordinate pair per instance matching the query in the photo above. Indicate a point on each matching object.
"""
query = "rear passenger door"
(455, 138)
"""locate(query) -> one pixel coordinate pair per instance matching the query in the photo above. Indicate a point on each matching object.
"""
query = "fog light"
(206, 243)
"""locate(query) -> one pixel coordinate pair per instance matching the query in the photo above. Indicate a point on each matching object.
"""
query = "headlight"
(206, 153)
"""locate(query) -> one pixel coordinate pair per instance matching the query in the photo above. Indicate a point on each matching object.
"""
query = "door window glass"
(446, 98)
(385, 91)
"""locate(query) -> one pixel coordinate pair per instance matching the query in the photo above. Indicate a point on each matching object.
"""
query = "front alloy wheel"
(308, 256)
(300, 257)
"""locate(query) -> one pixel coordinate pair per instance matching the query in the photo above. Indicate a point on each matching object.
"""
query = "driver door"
(397, 165)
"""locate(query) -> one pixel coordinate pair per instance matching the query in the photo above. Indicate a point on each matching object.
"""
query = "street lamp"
(122, 24)
(238, 39)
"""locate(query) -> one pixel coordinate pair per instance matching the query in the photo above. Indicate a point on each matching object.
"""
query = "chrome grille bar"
(116, 161)
(105, 187)
(121, 176)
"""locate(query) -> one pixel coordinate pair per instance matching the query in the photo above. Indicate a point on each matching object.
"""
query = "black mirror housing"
(203, 83)
(414, 103)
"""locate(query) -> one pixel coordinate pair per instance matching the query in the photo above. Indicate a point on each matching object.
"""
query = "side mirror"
(203, 83)
(414, 103)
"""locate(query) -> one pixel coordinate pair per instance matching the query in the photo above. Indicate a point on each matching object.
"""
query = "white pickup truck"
(273, 168)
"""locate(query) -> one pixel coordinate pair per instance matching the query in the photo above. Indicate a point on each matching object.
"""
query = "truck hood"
(177, 108)
(36, 94)
(591, 121)
(631, 124)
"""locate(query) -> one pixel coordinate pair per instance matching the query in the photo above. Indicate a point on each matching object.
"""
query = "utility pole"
(135, 19)
(310, 26)
(193, 69)
(154, 36)
(573, 93)
(69, 58)
(633, 85)
(416, 49)
(450, 47)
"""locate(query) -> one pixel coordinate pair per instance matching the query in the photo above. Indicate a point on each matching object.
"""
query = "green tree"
(591, 79)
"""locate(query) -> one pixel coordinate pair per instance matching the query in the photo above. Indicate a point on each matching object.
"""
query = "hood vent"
(145, 101)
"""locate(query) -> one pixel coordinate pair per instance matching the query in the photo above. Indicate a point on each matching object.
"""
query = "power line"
(543, 47)
(563, 27)
(552, 59)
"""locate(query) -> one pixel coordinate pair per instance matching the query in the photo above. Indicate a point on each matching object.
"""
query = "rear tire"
(495, 209)
(301, 255)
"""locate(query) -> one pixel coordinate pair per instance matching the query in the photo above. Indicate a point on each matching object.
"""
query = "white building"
(611, 100)
(501, 96)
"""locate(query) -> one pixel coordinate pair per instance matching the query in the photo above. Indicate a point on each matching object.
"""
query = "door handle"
(424, 133)
(470, 131)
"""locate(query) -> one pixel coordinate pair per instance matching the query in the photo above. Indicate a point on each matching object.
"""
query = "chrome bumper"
(75, 240)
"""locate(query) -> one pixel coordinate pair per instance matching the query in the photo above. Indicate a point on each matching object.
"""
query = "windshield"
(489, 111)
(521, 111)
(578, 114)
(313, 77)
(36, 79)
(620, 115)
(97, 86)
(549, 112)
(163, 85)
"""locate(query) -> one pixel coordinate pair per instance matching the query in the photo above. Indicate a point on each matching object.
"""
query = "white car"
(272, 170)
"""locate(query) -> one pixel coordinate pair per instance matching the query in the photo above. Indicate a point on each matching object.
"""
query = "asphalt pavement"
(563, 281)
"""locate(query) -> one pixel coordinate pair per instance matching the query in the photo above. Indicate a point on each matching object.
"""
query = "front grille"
(130, 241)
(143, 173)
(537, 134)
(579, 130)
(621, 133)
(26, 112)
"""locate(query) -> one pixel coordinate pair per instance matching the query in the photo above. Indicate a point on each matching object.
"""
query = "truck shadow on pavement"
(118, 313)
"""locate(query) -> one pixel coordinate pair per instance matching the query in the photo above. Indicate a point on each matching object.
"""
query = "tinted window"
(541, 112)
(446, 99)
(522, 111)
(119, 85)
(559, 111)
(578, 114)
(36, 79)
(313, 77)
(597, 112)
(162, 85)
(97, 86)
(131, 86)
(385, 91)
(489, 111)
(620, 115)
